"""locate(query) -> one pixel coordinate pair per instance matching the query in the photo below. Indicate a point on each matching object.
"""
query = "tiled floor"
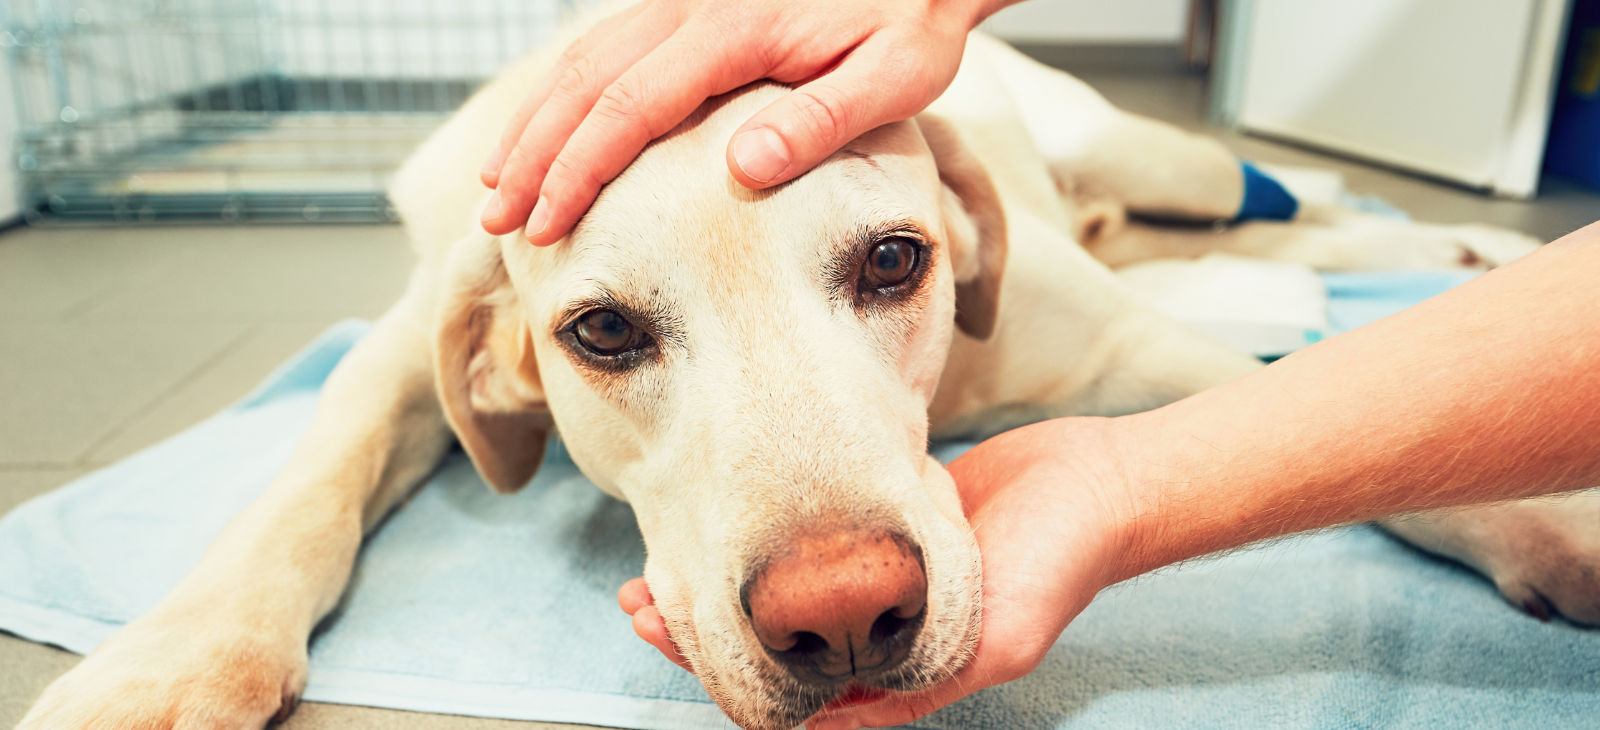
(111, 340)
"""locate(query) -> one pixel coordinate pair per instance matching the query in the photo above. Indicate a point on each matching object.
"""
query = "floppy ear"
(975, 224)
(484, 367)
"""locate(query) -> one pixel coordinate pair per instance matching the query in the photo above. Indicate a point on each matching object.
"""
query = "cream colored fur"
(774, 401)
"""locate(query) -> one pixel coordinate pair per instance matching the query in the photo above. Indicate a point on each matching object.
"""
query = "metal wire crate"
(242, 110)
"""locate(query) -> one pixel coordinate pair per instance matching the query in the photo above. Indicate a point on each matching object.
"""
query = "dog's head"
(752, 371)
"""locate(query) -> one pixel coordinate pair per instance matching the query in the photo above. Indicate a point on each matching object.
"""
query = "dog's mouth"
(855, 694)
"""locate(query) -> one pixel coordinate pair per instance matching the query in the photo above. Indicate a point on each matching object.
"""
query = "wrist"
(1189, 489)
(1134, 497)
(1113, 513)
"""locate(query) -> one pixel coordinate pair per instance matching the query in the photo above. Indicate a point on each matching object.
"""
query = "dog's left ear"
(975, 225)
(484, 367)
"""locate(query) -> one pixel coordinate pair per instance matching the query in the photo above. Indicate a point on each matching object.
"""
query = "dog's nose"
(840, 605)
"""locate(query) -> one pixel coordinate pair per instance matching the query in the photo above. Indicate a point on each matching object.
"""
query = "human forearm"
(1485, 393)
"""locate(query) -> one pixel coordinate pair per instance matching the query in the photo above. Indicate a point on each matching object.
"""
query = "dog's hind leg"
(1118, 172)
(1543, 554)
(1330, 241)
(227, 648)
(1099, 154)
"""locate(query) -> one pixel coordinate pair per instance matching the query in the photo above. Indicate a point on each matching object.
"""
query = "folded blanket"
(472, 603)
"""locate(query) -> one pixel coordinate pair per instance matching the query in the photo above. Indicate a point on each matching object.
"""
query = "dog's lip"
(855, 694)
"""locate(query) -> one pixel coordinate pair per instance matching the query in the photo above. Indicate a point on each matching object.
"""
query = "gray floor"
(115, 339)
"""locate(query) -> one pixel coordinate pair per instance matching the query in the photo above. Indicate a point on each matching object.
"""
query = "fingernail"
(491, 207)
(539, 219)
(496, 159)
(761, 154)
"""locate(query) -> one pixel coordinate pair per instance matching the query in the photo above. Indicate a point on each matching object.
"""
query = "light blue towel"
(1356, 299)
(504, 606)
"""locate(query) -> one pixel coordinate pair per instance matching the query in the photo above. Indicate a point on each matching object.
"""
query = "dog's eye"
(891, 262)
(604, 332)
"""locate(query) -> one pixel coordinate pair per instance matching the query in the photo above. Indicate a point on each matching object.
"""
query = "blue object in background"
(1264, 197)
(1573, 148)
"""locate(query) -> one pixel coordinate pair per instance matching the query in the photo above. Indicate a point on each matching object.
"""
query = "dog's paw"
(1543, 554)
(1487, 246)
(171, 675)
(1362, 242)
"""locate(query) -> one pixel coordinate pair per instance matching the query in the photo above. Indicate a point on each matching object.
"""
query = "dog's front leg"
(1155, 361)
(227, 648)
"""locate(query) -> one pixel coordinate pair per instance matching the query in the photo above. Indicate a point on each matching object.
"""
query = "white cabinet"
(1456, 89)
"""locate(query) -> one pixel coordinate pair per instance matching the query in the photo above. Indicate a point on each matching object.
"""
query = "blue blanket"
(504, 606)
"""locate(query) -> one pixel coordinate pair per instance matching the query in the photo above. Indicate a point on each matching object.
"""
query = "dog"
(758, 373)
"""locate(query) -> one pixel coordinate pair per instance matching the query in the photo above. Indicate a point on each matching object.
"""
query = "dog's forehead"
(676, 230)
(678, 198)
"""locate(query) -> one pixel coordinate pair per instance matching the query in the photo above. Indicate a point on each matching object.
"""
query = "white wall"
(8, 130)
(1092, 21)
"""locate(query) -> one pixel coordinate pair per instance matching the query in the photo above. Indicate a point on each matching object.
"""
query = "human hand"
(1047, 504)
(635, 599)
(636, 75)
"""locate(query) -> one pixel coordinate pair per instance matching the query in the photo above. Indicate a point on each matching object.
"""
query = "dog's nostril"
(890, 626)
(806, 644)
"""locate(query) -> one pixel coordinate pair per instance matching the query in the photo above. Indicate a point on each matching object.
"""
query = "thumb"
(875, 85)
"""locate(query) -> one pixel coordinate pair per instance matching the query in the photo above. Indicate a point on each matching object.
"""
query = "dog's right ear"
(975, 224)
(485, 371)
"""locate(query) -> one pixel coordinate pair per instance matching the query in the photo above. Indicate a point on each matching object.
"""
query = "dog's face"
(751, 370)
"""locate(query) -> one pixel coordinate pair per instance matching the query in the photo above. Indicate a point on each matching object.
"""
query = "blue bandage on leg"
(1264, 197)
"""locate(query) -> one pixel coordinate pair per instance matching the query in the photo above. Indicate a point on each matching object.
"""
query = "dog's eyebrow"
(864, 157)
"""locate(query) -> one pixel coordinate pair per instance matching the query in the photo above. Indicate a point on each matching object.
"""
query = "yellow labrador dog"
(759, 373)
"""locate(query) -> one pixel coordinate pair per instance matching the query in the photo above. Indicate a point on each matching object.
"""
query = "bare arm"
(1488, 392)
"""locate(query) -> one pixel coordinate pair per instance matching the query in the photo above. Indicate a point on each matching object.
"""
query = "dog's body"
(772, 387)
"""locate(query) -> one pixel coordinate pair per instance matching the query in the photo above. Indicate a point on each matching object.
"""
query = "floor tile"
(55, 271)
(272, 273)
(228, 379)
(66, 385)
(26, 669)
(18, 486)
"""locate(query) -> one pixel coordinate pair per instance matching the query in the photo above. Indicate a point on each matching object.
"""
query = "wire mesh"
(242, 110)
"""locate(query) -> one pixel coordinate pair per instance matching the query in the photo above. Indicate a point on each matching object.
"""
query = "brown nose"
(840, 605)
